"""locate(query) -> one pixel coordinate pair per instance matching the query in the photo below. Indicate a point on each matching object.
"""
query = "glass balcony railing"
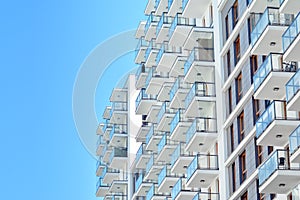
(271, 17)
(177, 118)
(164, 19)
(165, 172)
(294, 141)
(139, 181)
(291, 33)
(271, 64)
(142, 43)
(142, 96)
(140, 152)
(106, 126)
(151, 19)
(152, 46)
(162, 143)
(275, 111)
(180, 21)
(154, 74)
(293, 86)
(100, 183)
(170, 2)
(150, 164)
(199, 54)
(178, 84)
(166, 48)
(150, 134)
(278, 160)
(107, 170)
(200, 89)
(117, 152)
(206, 196)
(201, 125)
(184, 3)
(98, 164)
(118, 106)
(202, 162)
(179, 151)
(100, 141)
(156, 4)
(150, 193)
(118, 197)
(117, 129)
(176, 189)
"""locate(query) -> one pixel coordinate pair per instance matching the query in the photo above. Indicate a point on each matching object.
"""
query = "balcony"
(164, 117)
(266, 35)
(106, 113)
(200, 101)
(271, 78)
(151, 117)
(118, 187)
(275, 125)
(155, 80)
(99, 130)
(201, 135)
(199, 65)
(161, 6)
(115, 197)
(140, 32)
(259, 6)
(118, 95)
(106, 130)
(153, 194)
(109, 175)
(179, 126)
(175, 6)
(163, 27)
(291, 40)
(106, 154)
(165, 148)
(140, 76)
(118, 113)
(179, 191)
(144, 102)
(177, 68)
(292, 93)
(178, 92)
(202, 171)
(101, 188)
(289, 6)
(118, 136)
(150, 7)
(142, 157)
(100, 146)
(151, 54)
(152, 139)
(141, 50)
(99, 167)
(118, 158)
(166, 57)
(141, 186)
(150, 27)
(203, 37)
(277, 174)
(180, 29)
(180, 159)
(152, 169)
(163, 94)
(194, 8)
(294, 140)
(206, 195)
(142, 132)
(166, 180)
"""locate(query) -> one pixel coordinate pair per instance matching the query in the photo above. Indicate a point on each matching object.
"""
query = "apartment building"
(213, 111)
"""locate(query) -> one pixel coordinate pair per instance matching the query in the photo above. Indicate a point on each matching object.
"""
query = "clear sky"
(43, 44)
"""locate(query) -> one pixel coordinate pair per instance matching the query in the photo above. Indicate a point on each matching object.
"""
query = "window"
(254, 66)
(230, 100)
(231, 138)
(203, 22)
(235, 13)
(237, 50)
(239, 88)
(226, 27)
(259, 155)
(245, 196)
(211, 13)
(241, 126)
(243, 168)
(256, 111)
(233, 177)
(270, 149)
(228, 63)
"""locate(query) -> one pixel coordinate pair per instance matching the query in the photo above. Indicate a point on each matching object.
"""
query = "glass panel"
(293, 86)
(176, 189)
(162, 175)
(291, 33)
(295, 140)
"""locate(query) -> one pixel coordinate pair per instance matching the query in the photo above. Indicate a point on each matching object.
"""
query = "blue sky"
(43, 44)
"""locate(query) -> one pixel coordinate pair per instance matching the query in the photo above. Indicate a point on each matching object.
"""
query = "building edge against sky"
(213, 110)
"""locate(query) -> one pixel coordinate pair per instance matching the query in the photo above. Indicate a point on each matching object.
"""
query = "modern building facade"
(213, 111)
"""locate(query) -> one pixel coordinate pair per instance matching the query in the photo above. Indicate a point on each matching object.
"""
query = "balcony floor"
(167, 184)
(142, 133)
(119, 163)
(292, 53)
(152, 145)
(290, 178)
(207, 140)
(110, 177)
(102, 191)
(179, 133)
(278, 127)
(153, 172)
(178, 67)
(195, 8)
(142, 162)
(179, 35)
(201, 106)
(186, 195)
(273, 80)
(144, 106)
(164, 123)
(119, 140)
(181, 164)
(208, 176)
(118, 187)
(290, 6)
(162, 35)
(151, 117)
(166, 62)
(259, 6)
(140, 83)
(151, 33)
(295, 157)
(200, 71)
(165, 155)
